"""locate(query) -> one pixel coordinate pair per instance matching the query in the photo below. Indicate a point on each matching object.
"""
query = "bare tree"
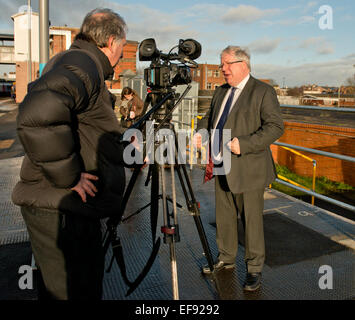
(350, 84)
(295, 91)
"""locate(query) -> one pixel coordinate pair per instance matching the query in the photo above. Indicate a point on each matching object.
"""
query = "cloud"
(317, 44)
(325, 50)
(331, 73)
(310, 5)
(263, 46)
(143, 21)
(246, 14)
(8, 9)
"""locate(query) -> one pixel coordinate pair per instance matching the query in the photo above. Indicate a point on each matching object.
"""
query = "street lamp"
(29, 45)
(43, 34)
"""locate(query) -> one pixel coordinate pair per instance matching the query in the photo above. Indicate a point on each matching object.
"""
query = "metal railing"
(315, 151)
(189, 122)
(319, 196)
(313, 193)
(314, 162)
(337, 109)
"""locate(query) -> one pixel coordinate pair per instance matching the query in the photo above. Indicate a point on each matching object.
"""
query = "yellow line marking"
(5, 144)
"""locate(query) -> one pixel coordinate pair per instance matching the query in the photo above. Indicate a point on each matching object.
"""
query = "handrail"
(320, 196)
(312, 193)
(314, 162)
(315, 151)
(292, 182)
(339, 109)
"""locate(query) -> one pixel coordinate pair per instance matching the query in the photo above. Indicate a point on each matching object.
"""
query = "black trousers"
(68, 252)
(249, 207)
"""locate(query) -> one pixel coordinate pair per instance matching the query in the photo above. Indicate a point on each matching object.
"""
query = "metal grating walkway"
(292, 281)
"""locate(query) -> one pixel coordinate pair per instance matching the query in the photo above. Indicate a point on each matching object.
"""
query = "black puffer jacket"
(67, 126)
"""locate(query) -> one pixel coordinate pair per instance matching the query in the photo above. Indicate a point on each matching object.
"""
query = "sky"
(292, 42)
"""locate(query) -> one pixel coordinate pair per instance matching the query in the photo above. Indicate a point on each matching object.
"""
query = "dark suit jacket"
(256, 121)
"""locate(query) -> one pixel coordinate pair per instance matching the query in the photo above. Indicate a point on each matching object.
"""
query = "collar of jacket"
(105, 63)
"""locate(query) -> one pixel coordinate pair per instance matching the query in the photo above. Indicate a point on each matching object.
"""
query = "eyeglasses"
(229, 63)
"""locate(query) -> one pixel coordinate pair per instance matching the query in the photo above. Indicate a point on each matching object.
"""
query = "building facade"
(60, 39)
(209, 76)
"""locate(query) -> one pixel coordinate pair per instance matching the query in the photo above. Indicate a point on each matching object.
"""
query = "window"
(216, 73)
(209, 73)
(198, 73)
(209, 86)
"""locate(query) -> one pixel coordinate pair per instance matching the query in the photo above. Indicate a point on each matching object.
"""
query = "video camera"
(164, 74)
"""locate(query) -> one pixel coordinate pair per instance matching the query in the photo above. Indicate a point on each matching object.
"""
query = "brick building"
(60, 39)
(209, 76)
(59, 42)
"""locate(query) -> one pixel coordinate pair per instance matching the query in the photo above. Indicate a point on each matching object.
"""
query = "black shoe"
(219, 265)
(252, 281)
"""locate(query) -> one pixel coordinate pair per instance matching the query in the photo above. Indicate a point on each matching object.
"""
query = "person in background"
(131, 108)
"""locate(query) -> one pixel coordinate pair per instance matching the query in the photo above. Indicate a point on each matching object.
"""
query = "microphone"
(185, 59)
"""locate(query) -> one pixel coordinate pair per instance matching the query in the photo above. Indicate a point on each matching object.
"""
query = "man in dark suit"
(250, 110)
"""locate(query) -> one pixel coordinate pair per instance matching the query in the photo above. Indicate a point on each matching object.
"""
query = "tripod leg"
(169, 237)
(193, 207)
(175, 236)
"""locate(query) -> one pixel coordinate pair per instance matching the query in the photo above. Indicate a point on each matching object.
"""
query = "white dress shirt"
(238, 91)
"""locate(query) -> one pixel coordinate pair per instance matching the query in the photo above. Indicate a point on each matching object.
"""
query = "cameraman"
(72, 174)
(133, 109)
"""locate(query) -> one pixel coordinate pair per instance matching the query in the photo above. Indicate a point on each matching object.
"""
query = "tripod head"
(166, 100)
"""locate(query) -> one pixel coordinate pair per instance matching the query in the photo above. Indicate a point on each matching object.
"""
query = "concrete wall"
(21, 50)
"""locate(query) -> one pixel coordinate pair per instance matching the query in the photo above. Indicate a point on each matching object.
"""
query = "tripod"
(157, 174)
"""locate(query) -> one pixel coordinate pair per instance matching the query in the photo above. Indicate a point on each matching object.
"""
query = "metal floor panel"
(292, 282)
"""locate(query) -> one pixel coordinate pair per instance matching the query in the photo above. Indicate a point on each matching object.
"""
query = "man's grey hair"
(102, 23)
(239, 53)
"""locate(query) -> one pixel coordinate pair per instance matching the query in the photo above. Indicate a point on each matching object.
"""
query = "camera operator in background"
(132, 109)
(73, 173)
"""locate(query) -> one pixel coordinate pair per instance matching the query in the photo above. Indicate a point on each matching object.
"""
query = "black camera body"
(164, 74)
(167, 76)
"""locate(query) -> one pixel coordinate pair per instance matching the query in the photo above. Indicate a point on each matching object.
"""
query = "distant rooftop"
(8, 37)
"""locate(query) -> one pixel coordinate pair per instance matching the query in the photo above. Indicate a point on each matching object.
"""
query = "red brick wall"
(212, 79)
(57, 45)
(21, 78)
(326, 138)
(128, 62)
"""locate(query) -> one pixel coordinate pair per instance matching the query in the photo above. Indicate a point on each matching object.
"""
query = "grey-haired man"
(250, 109)
(73, 172)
